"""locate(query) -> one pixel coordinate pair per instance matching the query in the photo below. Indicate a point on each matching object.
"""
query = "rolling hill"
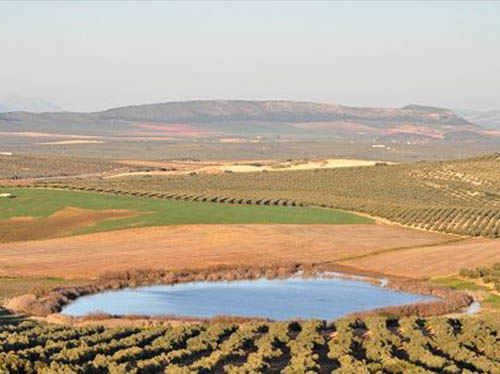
(459, 197)
(278, 111)
(243, 118)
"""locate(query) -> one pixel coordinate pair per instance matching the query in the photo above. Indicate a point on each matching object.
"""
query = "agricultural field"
(433, 260)
(41, 214)
(168, 207)
(67, 233)
(166, 148)
(459, 197)
(16, 167)
(201, 246)
(179, 167)
(347, 346)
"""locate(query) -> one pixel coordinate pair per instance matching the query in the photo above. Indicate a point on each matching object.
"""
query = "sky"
(88, 56)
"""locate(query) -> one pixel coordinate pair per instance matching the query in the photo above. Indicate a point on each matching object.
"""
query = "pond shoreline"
(52, 301)
(324, 296)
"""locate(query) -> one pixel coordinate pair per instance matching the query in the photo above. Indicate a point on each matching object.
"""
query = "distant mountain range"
(238, 118)
(277, 111)
(13, 103)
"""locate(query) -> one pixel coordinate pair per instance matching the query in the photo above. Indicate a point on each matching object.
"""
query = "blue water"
(324, 298)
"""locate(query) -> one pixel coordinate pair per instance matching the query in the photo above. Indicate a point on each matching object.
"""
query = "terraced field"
(348, 346)
(460, 197)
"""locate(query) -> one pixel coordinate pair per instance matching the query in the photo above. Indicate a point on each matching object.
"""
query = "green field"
(42, 203)
(459, 284)
(459, 197)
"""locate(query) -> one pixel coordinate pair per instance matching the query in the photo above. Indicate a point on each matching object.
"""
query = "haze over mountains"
(12, 103)
(239, 118)
(488, 118)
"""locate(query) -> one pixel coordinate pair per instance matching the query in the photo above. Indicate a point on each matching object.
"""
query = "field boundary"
(227, 200)
(397, 249)
(243, 201)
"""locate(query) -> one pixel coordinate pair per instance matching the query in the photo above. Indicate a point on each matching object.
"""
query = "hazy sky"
(95, 55)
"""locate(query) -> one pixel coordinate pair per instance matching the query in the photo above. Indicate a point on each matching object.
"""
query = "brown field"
(61, 223)
(432, 261)
(200, 246)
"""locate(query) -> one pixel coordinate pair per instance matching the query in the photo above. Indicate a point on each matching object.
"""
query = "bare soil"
(219, 167)
(61, 223)
(201, 246)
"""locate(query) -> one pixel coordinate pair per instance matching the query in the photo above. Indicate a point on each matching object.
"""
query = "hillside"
(278, 111)
(242, 118)
(262, 111)
(460, 197)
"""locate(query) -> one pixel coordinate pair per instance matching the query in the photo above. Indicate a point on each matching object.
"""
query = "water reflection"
(282, 299)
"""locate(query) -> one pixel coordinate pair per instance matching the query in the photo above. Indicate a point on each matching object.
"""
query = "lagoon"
(279, 299)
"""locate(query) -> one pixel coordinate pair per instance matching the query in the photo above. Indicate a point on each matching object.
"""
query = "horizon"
(89, 57)
(63, 110)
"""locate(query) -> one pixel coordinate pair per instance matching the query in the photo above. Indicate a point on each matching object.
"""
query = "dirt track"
(431, 261)
(196, 246)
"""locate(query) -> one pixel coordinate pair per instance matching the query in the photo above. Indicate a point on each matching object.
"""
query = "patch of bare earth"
(249, 166)
(200, 246)
(434, 260)
(63, 222)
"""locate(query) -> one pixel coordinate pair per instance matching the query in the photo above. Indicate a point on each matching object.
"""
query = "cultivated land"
(15, 167)
(39, 213)
(203, 246)
(247, 166)
(432, 261)
(435, 345)
(167, 149)
(454, 197)
(409, 346)
(460, 197)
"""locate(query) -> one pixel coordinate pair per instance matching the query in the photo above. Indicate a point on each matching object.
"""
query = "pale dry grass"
(202, 246)
(296, 165)
(249, 166)
(432, 261)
